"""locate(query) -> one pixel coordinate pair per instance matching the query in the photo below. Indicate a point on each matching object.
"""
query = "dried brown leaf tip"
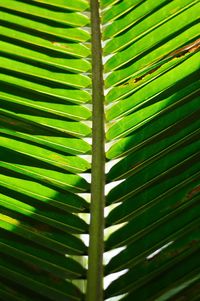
(189, 48)
(192, 47)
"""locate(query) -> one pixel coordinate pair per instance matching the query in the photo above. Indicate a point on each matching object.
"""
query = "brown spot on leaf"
(192, 47)
(193, 192)
(42, 228)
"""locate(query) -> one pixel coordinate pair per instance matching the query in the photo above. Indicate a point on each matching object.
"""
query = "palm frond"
(153, 126)
(45, 73)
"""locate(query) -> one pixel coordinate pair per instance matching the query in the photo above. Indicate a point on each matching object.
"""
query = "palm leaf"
(153, 124)
(43, 81)
(53, 84)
